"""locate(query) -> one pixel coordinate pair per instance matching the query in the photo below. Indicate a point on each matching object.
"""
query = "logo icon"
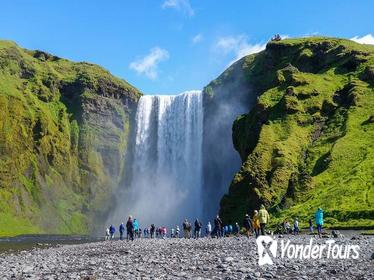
(266, 246)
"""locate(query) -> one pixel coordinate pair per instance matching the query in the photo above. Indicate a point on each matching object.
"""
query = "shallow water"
(27, 242)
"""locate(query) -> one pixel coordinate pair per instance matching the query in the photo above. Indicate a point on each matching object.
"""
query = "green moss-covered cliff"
(308, 140)
(64, 130)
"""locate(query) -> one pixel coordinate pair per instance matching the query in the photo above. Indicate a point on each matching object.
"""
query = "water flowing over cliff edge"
(167, 169)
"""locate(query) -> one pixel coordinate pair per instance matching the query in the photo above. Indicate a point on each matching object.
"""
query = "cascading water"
(167, 169)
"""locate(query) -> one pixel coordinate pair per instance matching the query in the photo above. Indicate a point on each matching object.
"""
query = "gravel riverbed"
(227, 258)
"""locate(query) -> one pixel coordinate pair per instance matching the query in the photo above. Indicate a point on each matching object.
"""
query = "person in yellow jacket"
(256, 223)
(263, 216)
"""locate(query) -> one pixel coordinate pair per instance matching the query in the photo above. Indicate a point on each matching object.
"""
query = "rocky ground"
(228, 258)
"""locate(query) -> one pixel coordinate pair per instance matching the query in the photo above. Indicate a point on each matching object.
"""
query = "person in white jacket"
(208, 229)
(107, 234)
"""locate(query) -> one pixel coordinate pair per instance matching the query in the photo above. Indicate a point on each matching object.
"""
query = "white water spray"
(167, 168)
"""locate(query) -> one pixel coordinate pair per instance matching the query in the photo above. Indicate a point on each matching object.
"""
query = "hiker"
(186, 229)
(310, 225)
(256, 223)
(276, 37)
(287, 227)
(153, 228)
(165, 232)
(172, 233)
(218, 226)
(263, 216)
(296, 227)
(177, 231)
(145, 233)
(112, 230)
(121, 231)
(130, 229)
(230, 229)
(107, 234)
(237, 229)
(225, 231)
(208, 229)
(248, 225)
(198, 227)
(319, 221)
(136, 227)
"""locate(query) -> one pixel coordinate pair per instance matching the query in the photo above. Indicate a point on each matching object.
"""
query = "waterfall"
(167, 169)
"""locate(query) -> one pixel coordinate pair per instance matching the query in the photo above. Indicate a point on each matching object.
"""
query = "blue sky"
(169, 46)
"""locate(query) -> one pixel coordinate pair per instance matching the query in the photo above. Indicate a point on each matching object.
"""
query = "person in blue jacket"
(121, 231)
(136, 227)
(230, 229)
(112, 230)
(319, 221)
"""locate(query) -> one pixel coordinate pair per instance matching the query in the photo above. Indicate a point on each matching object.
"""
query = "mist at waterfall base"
(166, 181)
(232, 97)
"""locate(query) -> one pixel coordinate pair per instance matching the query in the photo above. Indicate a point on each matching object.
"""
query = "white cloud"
(238, 45)
(179, 5)
(197, 38)
(367, 39)
(148, 64)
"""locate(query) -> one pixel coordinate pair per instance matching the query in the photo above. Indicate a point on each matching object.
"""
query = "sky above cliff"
(169, 46)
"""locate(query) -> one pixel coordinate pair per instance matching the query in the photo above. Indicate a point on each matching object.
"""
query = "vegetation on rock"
(64, 130)
(308, 142)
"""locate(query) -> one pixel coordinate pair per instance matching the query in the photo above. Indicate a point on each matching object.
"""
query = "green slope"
(64, 129)
(308, 141)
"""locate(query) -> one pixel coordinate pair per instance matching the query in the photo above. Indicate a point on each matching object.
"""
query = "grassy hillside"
(308, 141)
(64, 128)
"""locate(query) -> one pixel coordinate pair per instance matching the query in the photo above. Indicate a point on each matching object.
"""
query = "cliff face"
(308, 141)
(223, 100)
(64, 130)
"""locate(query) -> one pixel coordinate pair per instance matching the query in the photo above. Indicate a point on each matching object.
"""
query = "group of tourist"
(286, 227)
(251, 226)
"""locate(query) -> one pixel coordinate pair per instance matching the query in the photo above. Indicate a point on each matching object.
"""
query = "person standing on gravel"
(248, 225)
(256, 223)
(310, 225)
(186, 229)
(153, 228)
(198, 227)
(130, 229)
(107, 234)
(136, 227)
(208, 229)
(121, 231)
(319, 221)
(263, 216)
(218, 226)
(112, 230)
(177, 231)
(296, 226)
(237, 229)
